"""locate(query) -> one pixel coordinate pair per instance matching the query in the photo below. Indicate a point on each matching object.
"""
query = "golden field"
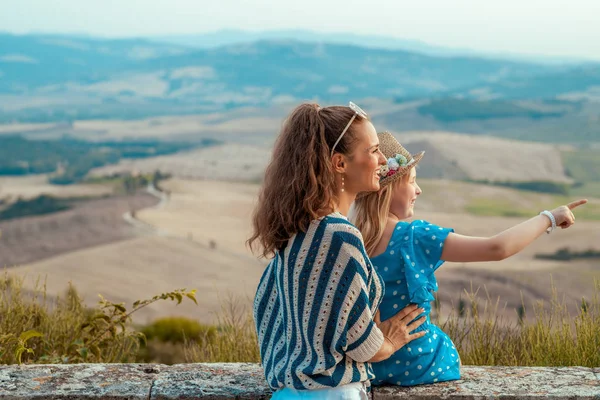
(195, 239)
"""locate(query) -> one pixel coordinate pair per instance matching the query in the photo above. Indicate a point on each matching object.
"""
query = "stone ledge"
(246, 381)
(508, 383)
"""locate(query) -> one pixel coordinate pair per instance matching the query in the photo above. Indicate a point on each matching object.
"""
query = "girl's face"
(404, 195)
(362, 166)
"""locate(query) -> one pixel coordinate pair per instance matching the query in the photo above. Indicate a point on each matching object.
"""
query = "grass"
(496, 207)
(35, 329)
(235, 339)
(587, 189)
(590, 211)
(582, 165)
(550, 337)
(476, 199)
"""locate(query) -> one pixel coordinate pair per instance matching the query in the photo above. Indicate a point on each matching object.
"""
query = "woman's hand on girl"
(397, 329)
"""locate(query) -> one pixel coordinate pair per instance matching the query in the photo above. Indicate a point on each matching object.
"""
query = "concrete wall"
(246, 381)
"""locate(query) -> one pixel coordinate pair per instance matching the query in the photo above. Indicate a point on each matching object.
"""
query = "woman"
(316, 301)
(407, 254)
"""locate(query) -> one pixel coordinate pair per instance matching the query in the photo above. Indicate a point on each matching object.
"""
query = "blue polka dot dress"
(407, 268)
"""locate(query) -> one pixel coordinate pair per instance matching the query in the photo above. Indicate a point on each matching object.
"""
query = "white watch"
(552, 219)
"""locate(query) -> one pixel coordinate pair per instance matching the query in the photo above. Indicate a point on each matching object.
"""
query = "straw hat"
(399, 160)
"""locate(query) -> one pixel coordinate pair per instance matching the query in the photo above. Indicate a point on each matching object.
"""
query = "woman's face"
(404, 195)
(362, 165)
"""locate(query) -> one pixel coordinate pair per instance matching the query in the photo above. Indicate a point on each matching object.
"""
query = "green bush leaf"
(25, 336)
(83, 352)
(192, 296)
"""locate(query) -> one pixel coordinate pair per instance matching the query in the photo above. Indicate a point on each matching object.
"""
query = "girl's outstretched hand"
(564, 214)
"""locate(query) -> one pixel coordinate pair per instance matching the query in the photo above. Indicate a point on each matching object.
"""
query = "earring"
(342, 182)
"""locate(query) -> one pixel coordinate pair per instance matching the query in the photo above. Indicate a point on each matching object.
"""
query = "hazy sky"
(550, 27)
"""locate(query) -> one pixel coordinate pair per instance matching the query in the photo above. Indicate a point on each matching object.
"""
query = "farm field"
(34, 185)
(196, 240)
(449, 156)
(90, 223)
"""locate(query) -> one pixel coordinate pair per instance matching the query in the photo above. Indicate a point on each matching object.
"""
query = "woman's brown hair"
(299, 184)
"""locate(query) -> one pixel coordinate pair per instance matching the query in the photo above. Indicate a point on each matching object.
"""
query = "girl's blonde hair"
(369, 214)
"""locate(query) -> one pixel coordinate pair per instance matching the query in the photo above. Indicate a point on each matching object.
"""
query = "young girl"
(407, 254)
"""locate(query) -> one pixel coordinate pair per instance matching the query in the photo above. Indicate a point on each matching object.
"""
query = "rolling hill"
(67, 79)
(33, 62)
(227, 37)
(63, 76)
(547, 121)
(448, 156)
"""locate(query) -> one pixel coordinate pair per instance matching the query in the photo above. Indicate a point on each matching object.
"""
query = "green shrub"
(565, 254)
(35, 329)
(559, 188)
(69, 160)
(40, 205)
(453, 109)
(178, 330)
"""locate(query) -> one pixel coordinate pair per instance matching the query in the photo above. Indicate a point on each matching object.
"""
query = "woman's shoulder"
(336, 229)
(337, 224)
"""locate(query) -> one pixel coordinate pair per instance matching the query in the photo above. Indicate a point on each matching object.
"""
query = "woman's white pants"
(351, 391)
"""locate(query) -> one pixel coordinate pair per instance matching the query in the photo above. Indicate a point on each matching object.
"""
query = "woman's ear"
(339, 163)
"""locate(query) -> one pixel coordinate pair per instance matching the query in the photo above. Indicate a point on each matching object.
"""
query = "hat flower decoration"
(393, 165)
(399, 161)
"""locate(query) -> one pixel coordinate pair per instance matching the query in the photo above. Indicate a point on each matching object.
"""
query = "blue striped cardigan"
(314, 309)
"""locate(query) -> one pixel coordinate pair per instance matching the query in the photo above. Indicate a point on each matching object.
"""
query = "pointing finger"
(577, 203)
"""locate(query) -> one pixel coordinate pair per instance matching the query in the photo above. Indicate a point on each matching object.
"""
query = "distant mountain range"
(284, 66)
(232, 36)
(57, 77)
